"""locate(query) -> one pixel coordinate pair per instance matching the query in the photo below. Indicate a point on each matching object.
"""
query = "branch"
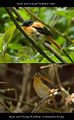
(55, 53)
(57, 76)
(6, 107)
(17, 14)
(29, 39)
(16, 100)
(26, 73)
(43, 100)
(64, 92)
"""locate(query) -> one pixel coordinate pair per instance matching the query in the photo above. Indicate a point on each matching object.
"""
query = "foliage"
(14, 48)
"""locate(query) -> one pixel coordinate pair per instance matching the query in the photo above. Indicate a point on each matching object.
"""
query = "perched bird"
(42, 85)
(40, 34)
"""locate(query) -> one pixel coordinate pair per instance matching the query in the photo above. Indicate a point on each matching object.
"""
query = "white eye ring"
(38, 74)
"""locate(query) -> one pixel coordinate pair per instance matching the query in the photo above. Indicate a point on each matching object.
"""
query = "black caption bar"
(16, 116)
(37, 3)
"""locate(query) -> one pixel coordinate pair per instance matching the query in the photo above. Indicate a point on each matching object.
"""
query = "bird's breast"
(41, 89)
(34, 34)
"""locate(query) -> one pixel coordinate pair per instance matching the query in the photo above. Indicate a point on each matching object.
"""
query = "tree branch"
(17, 14)
(55, 53)
(24, 82)
(43, 100)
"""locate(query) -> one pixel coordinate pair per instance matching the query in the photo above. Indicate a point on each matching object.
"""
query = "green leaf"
(44, 61)
(15, 46)
(63, 13)
(29, 61)
(72, 56)
(55, 59)
(71, 47)
(67, 59)
(67, 14)
(71, 13)
(5, 58)
(60, 40)
(24, 14)
(1, 43)
(9, 33)
(48, 13)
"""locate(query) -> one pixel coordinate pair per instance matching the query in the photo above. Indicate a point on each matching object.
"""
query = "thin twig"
(3, 83)
(55, 53)
(57, 76)
(8, 90)
(51, 110)
(55, 21)
(17, 14)
(16, 100)
(64, 92)
(26, 73)
(6, 107)
(43, 100)
(25, 102)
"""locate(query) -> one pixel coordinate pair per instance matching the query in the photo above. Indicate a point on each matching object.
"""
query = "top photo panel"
(36, 34)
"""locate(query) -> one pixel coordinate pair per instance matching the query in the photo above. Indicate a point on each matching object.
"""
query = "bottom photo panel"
(36, 88)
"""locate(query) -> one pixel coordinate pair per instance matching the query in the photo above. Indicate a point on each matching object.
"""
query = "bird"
(44, 87)
(40, 34)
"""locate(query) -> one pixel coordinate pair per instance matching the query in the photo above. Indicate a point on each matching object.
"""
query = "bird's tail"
(50, 39)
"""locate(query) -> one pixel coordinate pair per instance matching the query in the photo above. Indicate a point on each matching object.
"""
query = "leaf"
(24, 14)
(1, 43)
(29, 61)
(71, 13)
(5, 58)
(56, 59)
(44, 61)
(48, 13)
(67, 59)
(15, 46)
(60, 40)
(72, 56)
(9, 33)
(67, 14)
(63, 13)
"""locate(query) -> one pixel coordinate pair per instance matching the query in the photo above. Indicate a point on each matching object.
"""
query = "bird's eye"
(37, 74)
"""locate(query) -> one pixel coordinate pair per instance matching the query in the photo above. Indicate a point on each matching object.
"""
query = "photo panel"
(36, 59)
(37, 35)
(36, 88)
